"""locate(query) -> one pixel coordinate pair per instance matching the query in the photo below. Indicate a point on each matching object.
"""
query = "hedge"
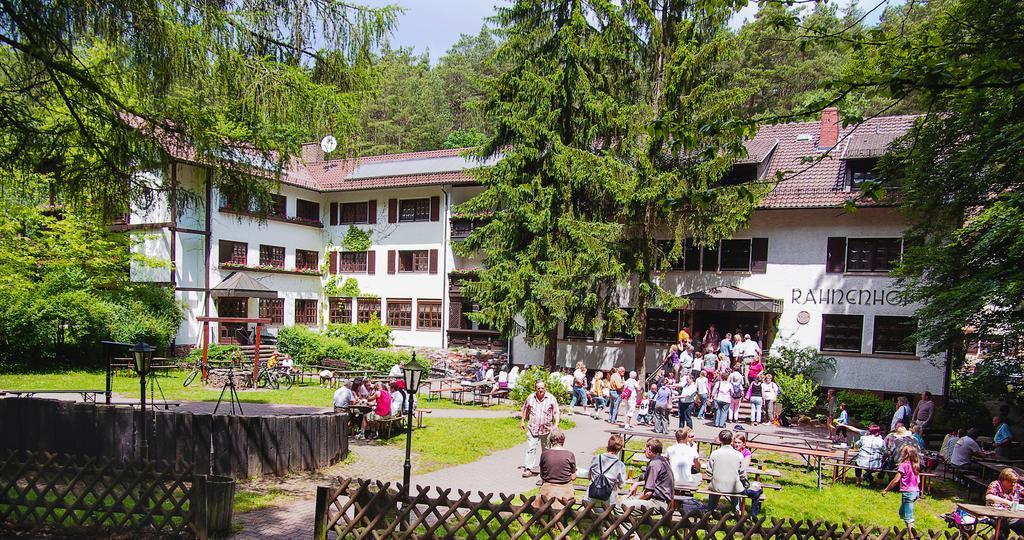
(308, 347)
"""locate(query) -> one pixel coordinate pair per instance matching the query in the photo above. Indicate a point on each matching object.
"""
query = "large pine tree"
(616, 128)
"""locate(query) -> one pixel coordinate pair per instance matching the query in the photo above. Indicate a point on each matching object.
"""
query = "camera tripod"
(232, 396)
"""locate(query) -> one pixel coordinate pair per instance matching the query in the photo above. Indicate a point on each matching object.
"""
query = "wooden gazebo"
(237, 285)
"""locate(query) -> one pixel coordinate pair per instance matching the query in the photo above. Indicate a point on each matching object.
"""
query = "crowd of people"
(710, 379)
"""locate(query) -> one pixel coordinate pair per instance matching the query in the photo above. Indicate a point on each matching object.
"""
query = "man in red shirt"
(540, 416)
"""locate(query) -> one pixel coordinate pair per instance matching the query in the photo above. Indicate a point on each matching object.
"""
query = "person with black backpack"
(607, 474)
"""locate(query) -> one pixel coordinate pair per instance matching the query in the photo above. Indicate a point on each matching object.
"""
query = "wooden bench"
(435, 393)
(840, 468)
(419, 416)
(88, 396)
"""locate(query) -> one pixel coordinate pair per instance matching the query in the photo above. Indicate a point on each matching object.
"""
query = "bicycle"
(196, 370)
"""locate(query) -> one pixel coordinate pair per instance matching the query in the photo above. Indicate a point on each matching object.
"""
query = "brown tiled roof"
(816, 184)
(821, 183)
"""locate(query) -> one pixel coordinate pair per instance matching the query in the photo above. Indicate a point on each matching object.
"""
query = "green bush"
(806, 361)
(798, 394)
(308, 347)
(216, 353)
(371, 334)
(527, 384)
(866, 409)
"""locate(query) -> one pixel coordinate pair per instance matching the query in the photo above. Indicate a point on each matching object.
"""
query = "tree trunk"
(641, 335)
(551, 350)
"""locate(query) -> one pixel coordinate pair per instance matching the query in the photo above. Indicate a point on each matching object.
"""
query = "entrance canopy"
(241, 285)
(733, 299)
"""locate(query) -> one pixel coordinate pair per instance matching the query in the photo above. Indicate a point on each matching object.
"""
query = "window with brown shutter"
(391, 261)
(354, 213)
(333, 258)
(233, 252)
(232, 307)
(691, 256)
(414, 261)
(273, 309)
(352, 262)
(334, 213)
(759, 255)
(307, 210)
(735, 255)
(307, 260)
(412, 210)
(835, 257)
(305, 311)
(367, 308)
(371, 262)
(894, 335)
(278, 206)
(709, 259)
(435, 208)
(392, 210)
(841, 333)
(873, 254)
(371, 212)
(428, 314)
(272, 256)
(400, 314)
(433, 261)
(340, 310)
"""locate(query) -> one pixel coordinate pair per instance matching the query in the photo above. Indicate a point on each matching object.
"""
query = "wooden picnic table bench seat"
(88, 396)
(839, 469)
(419, 416)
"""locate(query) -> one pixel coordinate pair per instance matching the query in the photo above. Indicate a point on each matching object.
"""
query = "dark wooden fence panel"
(356, 509)
(241, 446)
(46, 493)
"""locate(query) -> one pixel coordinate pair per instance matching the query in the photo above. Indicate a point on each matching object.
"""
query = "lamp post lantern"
(412, 375)
(142, 354)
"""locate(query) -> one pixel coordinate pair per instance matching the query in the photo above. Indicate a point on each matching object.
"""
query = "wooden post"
(197, 501)
(206, 346)
(323, 503)
(256, 357)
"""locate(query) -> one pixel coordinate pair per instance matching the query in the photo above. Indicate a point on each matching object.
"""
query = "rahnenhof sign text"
(855, 297)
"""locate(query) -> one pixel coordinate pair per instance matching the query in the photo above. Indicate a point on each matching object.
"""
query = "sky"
(435, 25)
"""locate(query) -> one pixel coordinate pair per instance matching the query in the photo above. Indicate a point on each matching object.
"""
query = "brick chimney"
(312, 152)
(829, 134)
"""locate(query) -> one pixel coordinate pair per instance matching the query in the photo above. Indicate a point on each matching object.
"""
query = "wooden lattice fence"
(61, 494)
(356, 508)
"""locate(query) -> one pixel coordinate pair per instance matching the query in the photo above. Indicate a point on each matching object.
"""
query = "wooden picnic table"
(808, 454)
(999, 515)
(993, 468)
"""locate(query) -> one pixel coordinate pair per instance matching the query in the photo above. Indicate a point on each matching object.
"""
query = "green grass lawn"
(171, 383)
(842, 503)
(444, 442)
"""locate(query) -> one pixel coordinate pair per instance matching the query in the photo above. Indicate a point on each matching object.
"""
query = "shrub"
(371, 334)
(527, 384)
(806, 361)
(217, 353)
(309, 347)
(867, 408)
(798, 394)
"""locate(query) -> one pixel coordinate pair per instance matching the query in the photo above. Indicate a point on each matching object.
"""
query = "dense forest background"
(785, 60)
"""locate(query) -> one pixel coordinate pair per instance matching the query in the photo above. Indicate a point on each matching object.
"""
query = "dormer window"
(859, 171)
(740, 174)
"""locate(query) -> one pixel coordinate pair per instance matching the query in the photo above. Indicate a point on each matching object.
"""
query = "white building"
(804, 273)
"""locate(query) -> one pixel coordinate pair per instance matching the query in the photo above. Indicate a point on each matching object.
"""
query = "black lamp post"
(142, 353)
(412, 375)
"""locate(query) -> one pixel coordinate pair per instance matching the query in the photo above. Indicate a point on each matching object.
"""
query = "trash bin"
(220, 503)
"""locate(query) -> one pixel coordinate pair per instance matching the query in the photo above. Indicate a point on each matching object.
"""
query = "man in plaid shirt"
(540, 416)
